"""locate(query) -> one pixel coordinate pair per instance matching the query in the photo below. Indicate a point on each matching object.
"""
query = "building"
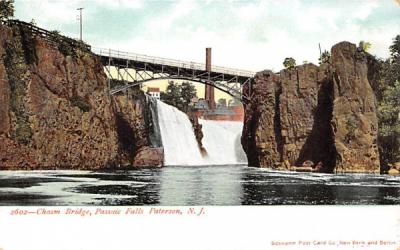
(154, 92)
(222, 112)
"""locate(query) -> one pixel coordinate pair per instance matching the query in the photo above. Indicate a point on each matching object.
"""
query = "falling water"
(179, 142)
(221, 140)
(152, 120)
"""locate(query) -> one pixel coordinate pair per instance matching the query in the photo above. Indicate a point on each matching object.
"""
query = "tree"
(364, 46)
(289, 62)
(6, 9)
(395, 47)
(389, 121)
(388, 95)
(222, 102)
(172, 95)
(188, 92)
(179, 96)
(325, 57)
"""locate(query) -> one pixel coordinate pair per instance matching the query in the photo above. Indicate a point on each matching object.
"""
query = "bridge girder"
(145, 71)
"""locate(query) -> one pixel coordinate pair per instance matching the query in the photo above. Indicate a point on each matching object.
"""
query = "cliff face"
(55, 110)
(313, 118)
(135, 126)
(355, 117)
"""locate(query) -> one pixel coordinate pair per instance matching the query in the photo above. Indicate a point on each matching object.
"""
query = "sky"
(248, 35)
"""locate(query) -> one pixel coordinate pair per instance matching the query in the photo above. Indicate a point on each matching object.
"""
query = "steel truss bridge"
(135, 69)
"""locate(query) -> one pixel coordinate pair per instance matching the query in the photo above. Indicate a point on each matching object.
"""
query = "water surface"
(204, 185)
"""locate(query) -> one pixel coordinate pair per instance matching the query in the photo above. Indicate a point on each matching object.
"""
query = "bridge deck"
(119, 58)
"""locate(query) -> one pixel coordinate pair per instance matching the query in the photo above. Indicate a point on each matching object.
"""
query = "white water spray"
(221, 140)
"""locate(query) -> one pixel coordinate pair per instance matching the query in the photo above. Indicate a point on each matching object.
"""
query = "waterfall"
(222, 142)
(179, 142)
(221, 139)
(152, 120)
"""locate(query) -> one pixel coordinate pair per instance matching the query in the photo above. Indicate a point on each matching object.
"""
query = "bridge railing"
(50, 36)
(169, 62)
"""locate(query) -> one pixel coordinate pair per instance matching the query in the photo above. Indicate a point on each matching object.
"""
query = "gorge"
(56, 113)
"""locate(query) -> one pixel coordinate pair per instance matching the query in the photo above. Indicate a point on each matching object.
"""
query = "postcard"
(199, 124)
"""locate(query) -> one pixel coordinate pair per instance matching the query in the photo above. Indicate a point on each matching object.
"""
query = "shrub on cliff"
(6, 9)
(325, 57)
(364, 46)
(395, 47)
(23, 132)
(289, 63)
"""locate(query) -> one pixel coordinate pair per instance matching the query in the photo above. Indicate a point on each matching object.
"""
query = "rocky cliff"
(55, 108)
(311, 118)
(140, 145)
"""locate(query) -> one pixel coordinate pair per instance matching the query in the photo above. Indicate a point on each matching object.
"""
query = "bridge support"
(132, 70)
(209, 89)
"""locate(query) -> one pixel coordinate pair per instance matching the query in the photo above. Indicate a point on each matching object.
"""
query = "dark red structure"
(209, 90)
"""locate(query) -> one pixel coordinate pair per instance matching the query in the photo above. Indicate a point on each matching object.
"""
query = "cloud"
(62, 12)
(252, 35)
(125, 4)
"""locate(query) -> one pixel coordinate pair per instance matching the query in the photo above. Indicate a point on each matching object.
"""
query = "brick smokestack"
(209, 90)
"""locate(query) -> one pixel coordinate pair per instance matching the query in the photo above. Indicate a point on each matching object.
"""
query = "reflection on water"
(206, 185)
(213, 185)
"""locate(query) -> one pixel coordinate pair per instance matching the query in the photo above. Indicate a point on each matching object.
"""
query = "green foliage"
(325, 57)
(395, 47)
(364, 46)
(389, 121)
(28, 44)
(179, 96)
(80, 102)
(6, 9)
(23, 132)
(55, 33)
(68, 46)
(188, 92)
(18, 76)
(171, 95)
(289, 62)
(64, 47)
(351, 127)
(389, 107)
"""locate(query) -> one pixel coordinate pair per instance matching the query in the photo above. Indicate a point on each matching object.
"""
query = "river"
(195, 185)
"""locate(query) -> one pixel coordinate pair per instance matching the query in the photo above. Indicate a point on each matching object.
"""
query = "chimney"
(209, 90)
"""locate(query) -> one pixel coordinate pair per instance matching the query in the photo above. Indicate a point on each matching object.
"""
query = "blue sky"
(252, 35)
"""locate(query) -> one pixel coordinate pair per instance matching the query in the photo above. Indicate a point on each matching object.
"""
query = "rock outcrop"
(56, 111)
(309, 117)
(134, 128)
(198, 132)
